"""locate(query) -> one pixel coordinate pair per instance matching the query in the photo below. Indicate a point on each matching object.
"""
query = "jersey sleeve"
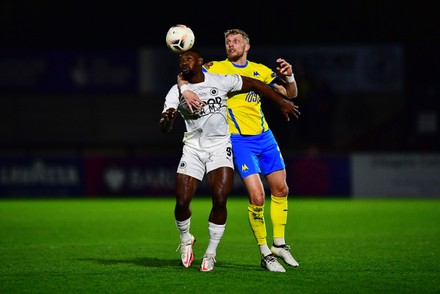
(171, 99)
(233, 82)
(269, 76)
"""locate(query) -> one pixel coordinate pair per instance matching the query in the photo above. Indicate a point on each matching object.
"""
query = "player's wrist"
(183, 88)
(290, 79)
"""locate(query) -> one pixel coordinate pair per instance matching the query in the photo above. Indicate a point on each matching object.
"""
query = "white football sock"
(215, 235)
(183, 227)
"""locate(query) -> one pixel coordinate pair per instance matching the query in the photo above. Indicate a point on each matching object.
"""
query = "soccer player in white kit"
(207, 146)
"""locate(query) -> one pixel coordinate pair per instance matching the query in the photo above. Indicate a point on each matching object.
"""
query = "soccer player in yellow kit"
(255, 148)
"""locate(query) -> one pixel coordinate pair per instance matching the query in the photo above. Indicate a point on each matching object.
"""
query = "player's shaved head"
(194, 51)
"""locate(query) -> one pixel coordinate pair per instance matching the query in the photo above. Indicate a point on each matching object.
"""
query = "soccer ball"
(180, 38)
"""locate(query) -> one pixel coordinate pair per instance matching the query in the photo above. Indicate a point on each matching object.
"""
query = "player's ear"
(247, 47)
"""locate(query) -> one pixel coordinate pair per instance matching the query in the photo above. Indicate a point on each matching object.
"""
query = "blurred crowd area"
(353, 98)
(80, 77)
(82, 87)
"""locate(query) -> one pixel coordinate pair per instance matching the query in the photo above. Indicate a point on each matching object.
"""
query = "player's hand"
(289, 109)
(284, 67)
(191, 98)
(296, 113)
(169, 114)
(167, 120)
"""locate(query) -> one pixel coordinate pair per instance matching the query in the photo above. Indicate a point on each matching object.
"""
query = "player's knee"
(257, 197)
(182, 204)
(280, 191)
(219, 201)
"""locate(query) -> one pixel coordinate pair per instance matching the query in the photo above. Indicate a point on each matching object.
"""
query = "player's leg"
(185, 189)
(220, 182)
(220, 179)
(246, 153)
(278, 215)
(278, 204)
(273, 167)
(256, 194)
(258, 224)
(189, 174)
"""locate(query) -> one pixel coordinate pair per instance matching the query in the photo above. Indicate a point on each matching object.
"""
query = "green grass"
(129, 246)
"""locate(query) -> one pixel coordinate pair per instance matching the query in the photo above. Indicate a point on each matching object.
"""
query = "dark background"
(68, 25)
(142, 23)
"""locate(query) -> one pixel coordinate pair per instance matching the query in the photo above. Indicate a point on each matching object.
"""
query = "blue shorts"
(256, 154)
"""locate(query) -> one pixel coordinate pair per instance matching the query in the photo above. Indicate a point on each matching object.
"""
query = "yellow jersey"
(245, 115)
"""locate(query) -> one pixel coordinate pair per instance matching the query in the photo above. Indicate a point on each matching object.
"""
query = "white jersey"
(208, 126)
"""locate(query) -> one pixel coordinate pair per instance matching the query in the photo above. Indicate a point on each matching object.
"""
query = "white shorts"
(195, 162)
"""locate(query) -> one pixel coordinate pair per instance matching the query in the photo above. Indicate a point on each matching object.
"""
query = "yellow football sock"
(278, 215)
(256, 220)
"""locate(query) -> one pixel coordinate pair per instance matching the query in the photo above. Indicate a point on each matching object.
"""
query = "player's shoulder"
(215, 64)
(258, 65)
(212, 78)
(173, 93)
(174, 88)
(263, 70)
(219, 76)
(224, 81)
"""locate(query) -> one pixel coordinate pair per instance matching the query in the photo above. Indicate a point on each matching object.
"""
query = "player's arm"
(166, 121)
(191, 98)
(288, 108)
(287, 86)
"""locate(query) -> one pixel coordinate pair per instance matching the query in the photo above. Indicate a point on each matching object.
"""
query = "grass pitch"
(129, 246)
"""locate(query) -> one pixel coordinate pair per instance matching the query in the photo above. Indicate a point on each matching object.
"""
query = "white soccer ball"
(180, 38)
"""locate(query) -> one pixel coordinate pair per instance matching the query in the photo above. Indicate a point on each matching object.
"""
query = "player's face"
(188, 63)
(235, 46)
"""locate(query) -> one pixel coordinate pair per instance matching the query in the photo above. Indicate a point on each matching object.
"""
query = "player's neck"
(199, 77)
(240, 61)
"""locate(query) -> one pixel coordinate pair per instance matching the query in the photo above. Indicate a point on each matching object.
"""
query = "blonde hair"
(238, 32)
